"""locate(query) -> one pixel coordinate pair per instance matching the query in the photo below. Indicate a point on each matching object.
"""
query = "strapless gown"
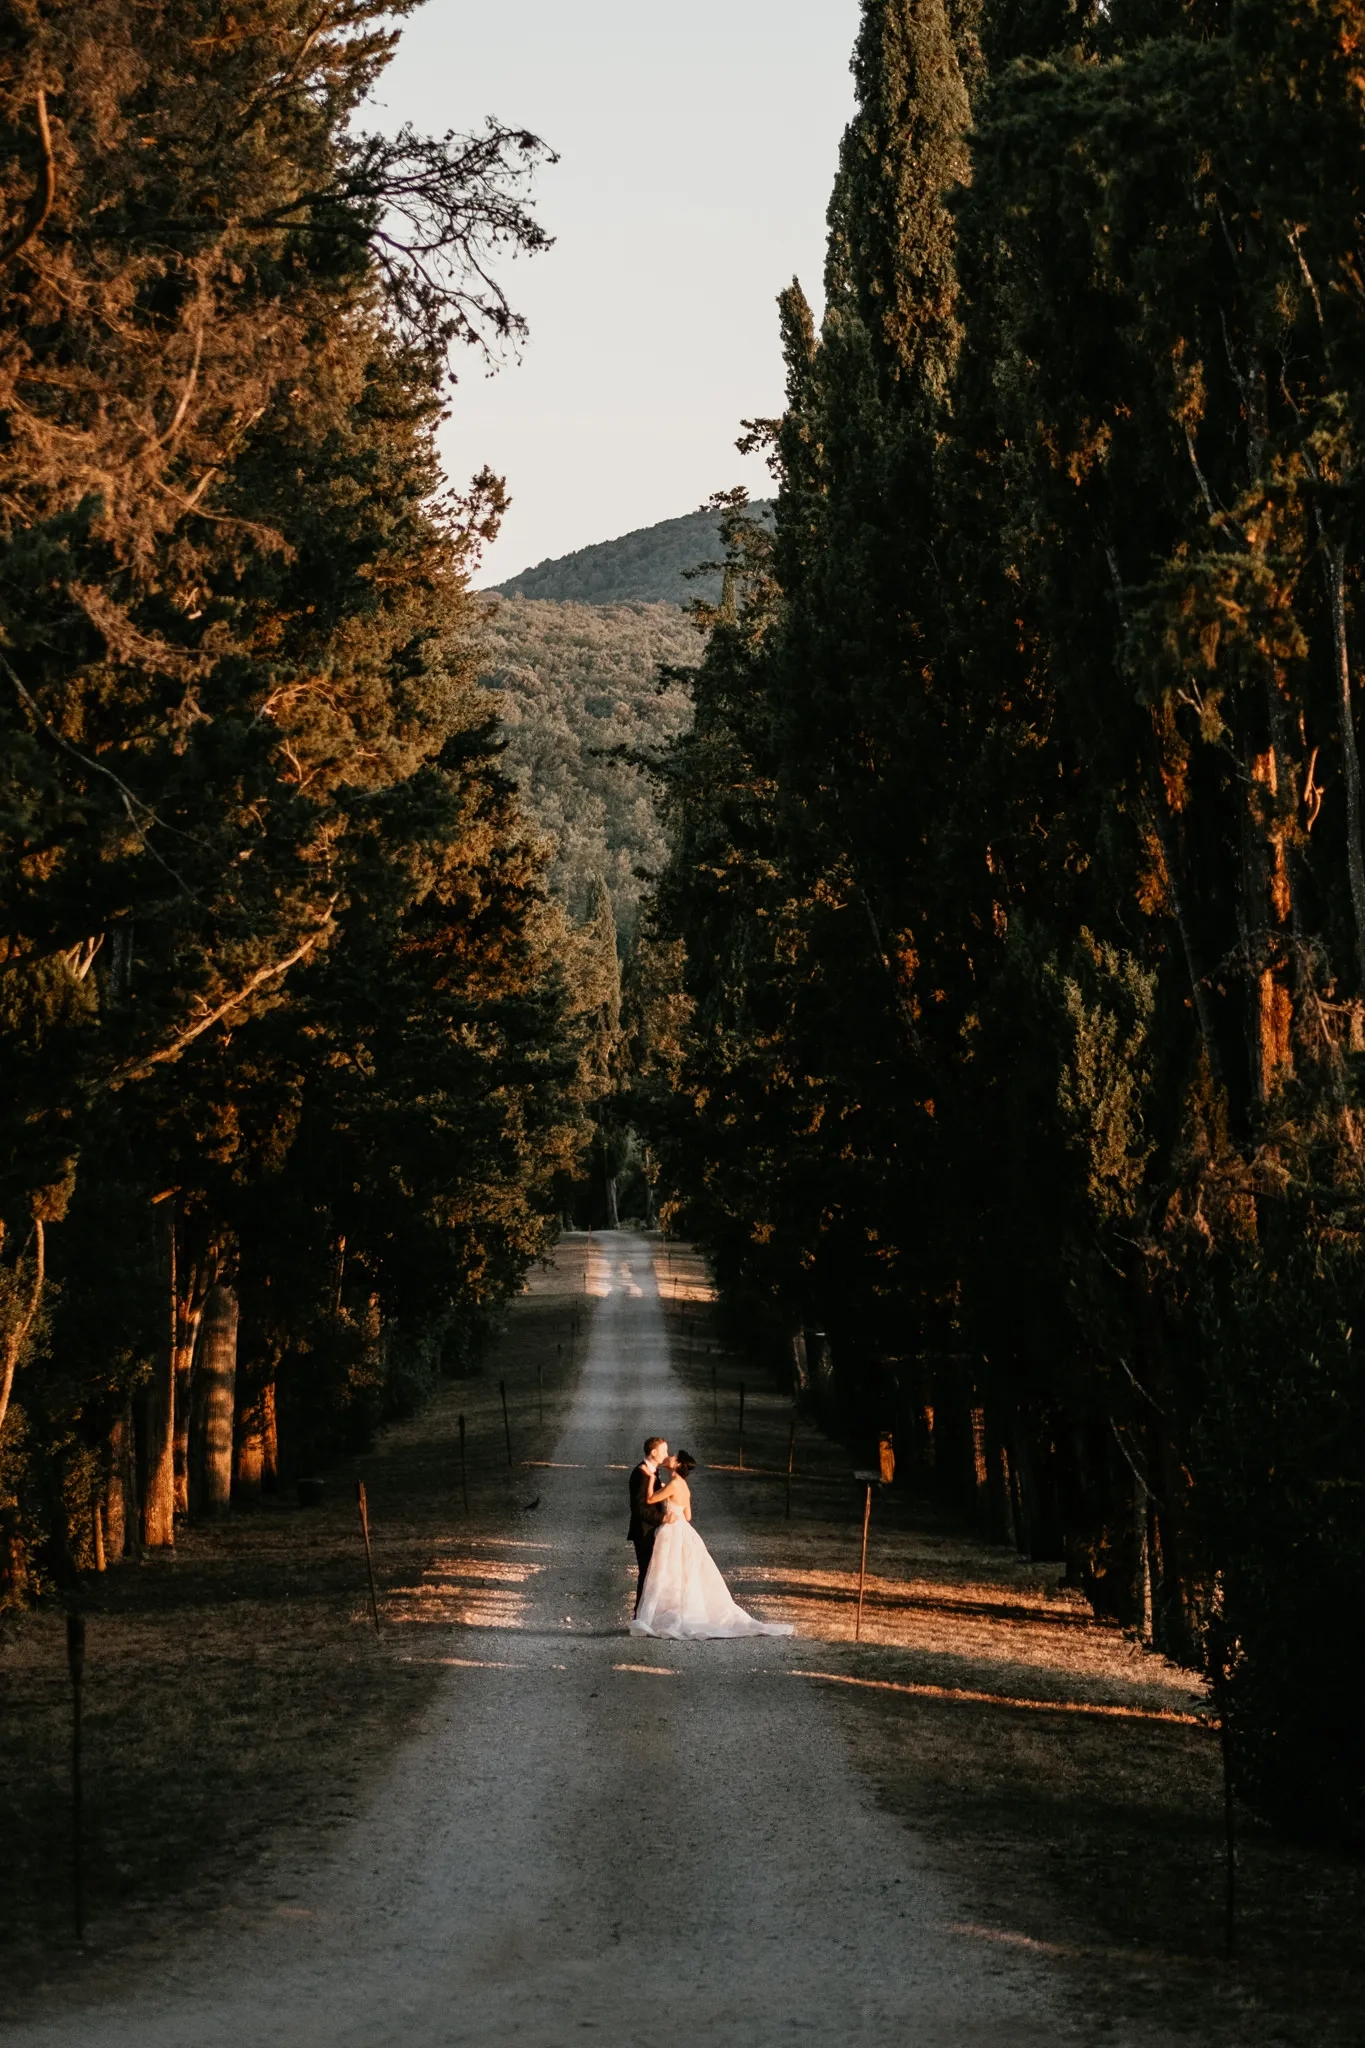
(685, 1595)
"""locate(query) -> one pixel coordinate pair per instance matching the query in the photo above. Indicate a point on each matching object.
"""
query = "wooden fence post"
(369, 1559)
(506, 1425)
(75, 1661)
(862, 1568)
(791, 1460)
(464, 1469)
(741, 1425)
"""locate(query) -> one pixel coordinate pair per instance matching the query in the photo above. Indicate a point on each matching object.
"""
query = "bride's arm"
(669, 1492)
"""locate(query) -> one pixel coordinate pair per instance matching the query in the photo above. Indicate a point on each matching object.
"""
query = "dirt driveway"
(595, 1834)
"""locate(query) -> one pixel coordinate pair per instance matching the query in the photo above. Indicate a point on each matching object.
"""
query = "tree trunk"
(13, 1575)
(215, 1385)
(1143, 1587)
(17, 1335)
(256, 1460)
(158, 1500)
(115, 1491)
(981, 1471)
(1268, 908)
(188, 1316)
(1334, 568)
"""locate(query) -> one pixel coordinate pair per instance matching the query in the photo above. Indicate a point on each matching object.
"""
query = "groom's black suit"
(644, 1521)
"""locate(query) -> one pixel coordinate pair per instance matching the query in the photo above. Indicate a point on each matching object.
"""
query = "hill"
(644, 567)
(573, 682)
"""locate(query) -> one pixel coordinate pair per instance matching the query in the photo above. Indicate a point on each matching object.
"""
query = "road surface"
(595, 1834)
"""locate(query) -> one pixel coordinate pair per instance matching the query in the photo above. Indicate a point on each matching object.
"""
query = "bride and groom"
(679, 1592)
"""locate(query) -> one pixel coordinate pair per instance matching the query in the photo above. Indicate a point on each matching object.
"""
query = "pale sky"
(697, 146)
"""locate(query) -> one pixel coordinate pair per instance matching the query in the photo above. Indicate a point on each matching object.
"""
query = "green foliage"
(281, 987)
(583, 708)
(1018, 848)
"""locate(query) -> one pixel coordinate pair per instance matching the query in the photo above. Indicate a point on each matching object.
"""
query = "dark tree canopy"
(1017, 845)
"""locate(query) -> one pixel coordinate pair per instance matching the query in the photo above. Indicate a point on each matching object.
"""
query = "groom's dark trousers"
(644, 1521)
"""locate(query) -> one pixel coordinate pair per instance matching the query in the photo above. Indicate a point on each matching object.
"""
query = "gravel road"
(595, 1834)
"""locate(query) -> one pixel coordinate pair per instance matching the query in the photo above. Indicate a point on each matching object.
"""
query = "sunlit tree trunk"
(158, 1501)
(256, 1467)
(191, 1296)
(1267, 912)
(120, 1504)
(30, 1294)
(215, 1385)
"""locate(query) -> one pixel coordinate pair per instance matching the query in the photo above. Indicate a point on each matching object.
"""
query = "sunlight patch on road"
(959, 1694)
(681, 1284)
(988, 1626)
(466, 1663)
(466, 1592)
(1007, 1937)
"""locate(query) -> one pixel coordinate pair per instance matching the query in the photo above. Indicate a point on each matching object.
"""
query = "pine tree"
(236, 635)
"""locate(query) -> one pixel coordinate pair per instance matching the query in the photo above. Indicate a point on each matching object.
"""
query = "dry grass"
(236, 1697)
(1078, 1805)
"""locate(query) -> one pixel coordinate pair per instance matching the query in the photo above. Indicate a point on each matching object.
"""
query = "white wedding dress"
(685, 1595)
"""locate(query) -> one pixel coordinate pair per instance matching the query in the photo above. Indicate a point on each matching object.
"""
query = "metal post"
(862, 1568)
(75, 1659)
(506, 1425)
(369, 1558)
(464, 1469)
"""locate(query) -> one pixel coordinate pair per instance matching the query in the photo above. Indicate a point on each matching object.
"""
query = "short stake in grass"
(369, 1556)
(506, 1425)
(75, 1661)
(869, 1480)
(464, 1469)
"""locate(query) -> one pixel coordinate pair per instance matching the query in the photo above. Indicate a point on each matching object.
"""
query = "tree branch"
(44, 192)
(138, 1069)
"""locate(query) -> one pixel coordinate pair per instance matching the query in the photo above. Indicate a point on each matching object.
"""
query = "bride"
(684, 1594)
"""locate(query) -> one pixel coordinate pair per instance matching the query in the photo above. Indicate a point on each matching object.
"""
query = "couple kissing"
(679, 1591)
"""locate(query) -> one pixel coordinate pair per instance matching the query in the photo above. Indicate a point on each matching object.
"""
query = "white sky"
(697, 145)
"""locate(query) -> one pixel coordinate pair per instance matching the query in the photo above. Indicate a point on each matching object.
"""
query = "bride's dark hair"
(685, 1462)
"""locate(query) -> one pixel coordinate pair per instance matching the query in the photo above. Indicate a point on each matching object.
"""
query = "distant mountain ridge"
(643, 567)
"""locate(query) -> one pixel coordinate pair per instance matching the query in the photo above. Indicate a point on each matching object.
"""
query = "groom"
(645, 1520)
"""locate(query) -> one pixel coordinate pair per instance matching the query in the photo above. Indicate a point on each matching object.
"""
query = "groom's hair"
(652, 1443)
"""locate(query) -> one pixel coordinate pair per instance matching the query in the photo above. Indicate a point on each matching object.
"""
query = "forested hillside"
(295, 1040)
(649, 566)
(582, 709)
(1017, 843)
